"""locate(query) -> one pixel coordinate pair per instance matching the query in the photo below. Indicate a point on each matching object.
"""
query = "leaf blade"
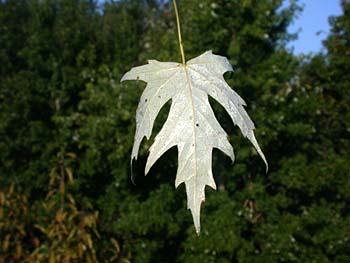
(191, 124)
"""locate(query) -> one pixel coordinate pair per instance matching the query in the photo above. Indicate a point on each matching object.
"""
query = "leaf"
(191, 124)
(70, 175)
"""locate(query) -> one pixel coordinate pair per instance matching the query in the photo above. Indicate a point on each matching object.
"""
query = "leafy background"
(67, 127)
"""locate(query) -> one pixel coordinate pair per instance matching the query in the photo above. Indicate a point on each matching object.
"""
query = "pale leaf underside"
(191, 124)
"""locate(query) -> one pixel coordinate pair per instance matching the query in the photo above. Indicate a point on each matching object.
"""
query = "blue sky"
(313, 19)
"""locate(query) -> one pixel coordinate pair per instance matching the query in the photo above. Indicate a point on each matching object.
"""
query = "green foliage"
(56, 229)
(61, 63)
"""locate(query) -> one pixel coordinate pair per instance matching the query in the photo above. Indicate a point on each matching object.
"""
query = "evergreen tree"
(61, 64)
(153, 220)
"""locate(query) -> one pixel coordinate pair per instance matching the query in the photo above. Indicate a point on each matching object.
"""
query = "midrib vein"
(194, 130)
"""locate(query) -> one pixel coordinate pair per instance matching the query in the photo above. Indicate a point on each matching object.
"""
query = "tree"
(258, 76)
(61, 63)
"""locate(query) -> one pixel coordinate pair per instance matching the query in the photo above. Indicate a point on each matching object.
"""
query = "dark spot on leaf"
(197, 124)
(159, 96)
(146, 100)
(137, 77)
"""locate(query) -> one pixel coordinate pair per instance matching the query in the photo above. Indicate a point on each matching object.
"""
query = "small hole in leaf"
(197, 124)
(146, 100)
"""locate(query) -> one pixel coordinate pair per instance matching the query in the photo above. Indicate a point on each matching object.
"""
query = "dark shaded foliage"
(60, 66)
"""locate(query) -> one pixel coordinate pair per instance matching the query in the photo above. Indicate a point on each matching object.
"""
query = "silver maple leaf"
(191, 124)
